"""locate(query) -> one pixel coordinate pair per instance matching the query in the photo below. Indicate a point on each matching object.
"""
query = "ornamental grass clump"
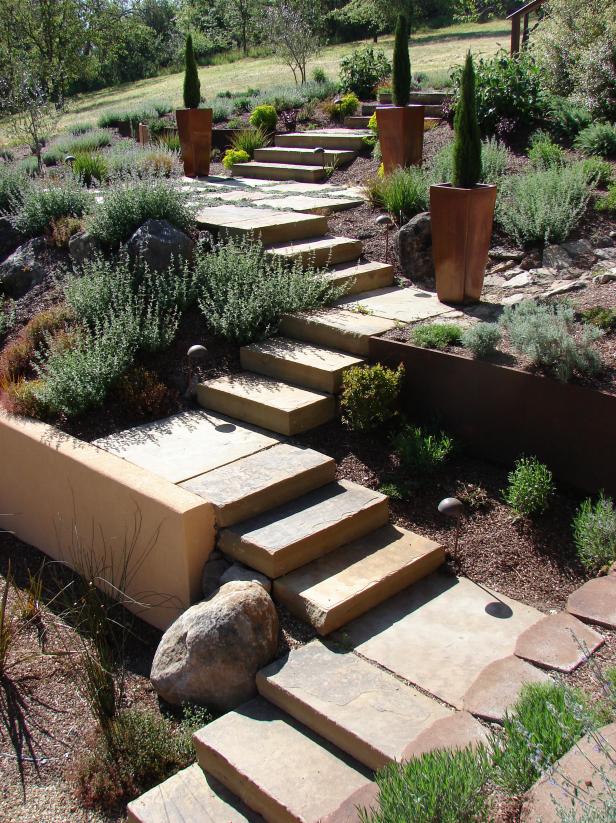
(594, 533)
(403, 193)
(370, 396)
(248, 140)
(531, 487)
(467, 143)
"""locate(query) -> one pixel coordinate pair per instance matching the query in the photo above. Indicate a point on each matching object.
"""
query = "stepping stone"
(498, 687)
(595, 602)
(279, 171)
(298, 156)
(254, 484)
(297, 362)
(579, 780)
(349, 581)
(187, 797)
(456, 731)
(559, 641)
(342, 139)
(319, 251)
(269, 225)
(404, 305)
(441, 633)
(336, 329)
(287, 537)
(313, 205)
(358, 707)
(356, 278)
(273, 404)
(187, 444)
(276, 767)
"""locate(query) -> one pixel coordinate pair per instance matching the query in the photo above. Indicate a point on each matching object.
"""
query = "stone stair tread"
(302, 363)
(347, 582)
(346, 330)
(190, 796)
(279, 171)
(254, 484)
(309, 204)
(311, 244)
(320, 251)
(294, 166)
(343, 139)
(276, 767)
(298, 155)
(272, 225)
(291, 535)
(406, 305)
(358, 707)
(263, 401)
(361, 277)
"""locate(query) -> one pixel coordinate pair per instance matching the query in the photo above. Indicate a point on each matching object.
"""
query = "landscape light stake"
(194, 354)
(385, 220)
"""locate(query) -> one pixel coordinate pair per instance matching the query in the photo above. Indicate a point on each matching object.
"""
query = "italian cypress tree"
(467, 144)
(192, 86)
(401, 77)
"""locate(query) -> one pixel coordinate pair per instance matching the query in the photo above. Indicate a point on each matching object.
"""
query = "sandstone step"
(263, 401)
(430, 110)
(347, 582)
(270, 225)
(356, 121)
(320, 251)
(342, 139)
(360, 277)
(291, 535)
(279, 171)
(251, 486)
(309, 204)
(300, 157)
(345, 330)
(190, 796)
(276, 767)
(301, 363)
(358, 707)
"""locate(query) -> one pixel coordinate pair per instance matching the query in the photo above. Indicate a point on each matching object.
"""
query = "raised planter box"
(503, 412)
(69, 499)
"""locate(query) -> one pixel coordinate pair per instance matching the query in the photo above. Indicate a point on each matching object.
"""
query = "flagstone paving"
(595, 601)
(498, 687)
(559, 641)
(407, 305)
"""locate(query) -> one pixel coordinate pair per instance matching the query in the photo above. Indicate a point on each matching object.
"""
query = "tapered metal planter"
(401, 134)
(195, 131)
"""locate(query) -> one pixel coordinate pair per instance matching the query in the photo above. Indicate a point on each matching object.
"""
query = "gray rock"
(556, 257)
(518, 281)
(216, 565)
(83, 247)
(159, 245)
(494, 280)
(501, 267)
(606, 254)
(604, 277)
(564, 286)
(514, 299)
(212, 653)
(543, 273)
(414, 245)
(581, 251)
(24, 268)
(499, 253)
(9, 237)
(237, 573)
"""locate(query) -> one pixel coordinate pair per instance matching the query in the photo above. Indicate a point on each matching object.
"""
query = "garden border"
(57, 492)
(503, 412)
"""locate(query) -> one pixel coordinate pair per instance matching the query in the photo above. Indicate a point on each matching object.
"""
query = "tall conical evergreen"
(401, 78)
(467, 144)
(192, 86)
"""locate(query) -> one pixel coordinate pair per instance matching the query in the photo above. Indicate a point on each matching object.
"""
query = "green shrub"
(494, 162)
(318, 75)
(420, 451)
(81, 128)
(7, 316)
(403, 193)
(567, 118)
(192, 85)
(594, 533)
(233, 156)
(467, 144)
(597, 139)
(243, 292)
(599, 173)
(543, 154)
(544, 334)
(546, 721)
(543, 206)
(482, 339)
(90, 168)
(89, 142)
(248, 140)
(128, 206)
(13, 185)
(441, 786)
(29, 166)
(132, 117)
(221, 109)
(362, 70)
(530, 487)
(401, 64)
(53, 156)
(436, 335)
(346, 106)
(128, 160)
(370, 396)
(608, 203)
(264, 117)
(38, 206)
(599, 316)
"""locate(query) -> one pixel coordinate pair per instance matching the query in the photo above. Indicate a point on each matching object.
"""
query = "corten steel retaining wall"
(58, 493)
(503, 412)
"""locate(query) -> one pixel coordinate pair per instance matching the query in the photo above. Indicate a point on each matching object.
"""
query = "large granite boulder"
(212, 653)
(83, 247)
(24, 268)
(158, 244)
(9, 237)
(414, 243)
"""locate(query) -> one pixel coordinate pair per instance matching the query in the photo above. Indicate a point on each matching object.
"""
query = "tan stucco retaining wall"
(59, 494)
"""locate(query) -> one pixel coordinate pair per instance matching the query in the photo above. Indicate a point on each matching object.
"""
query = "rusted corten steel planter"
(195, 130)
(401, 133)
(502, 412)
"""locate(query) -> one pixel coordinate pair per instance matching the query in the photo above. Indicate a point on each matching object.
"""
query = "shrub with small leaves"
(566, 118)
(594, 533)
(598, 139)
(530, 488)
(436, 335)
(85, 143)
(608, 203)
(264, 117)
(346, 106)
(601, 317)
(233, 156)
(494, 161)
(599, 172)
(40, 206)
(370, 396)
(482, 339)
(543, 153)
(13, 186)
(362, 70)
(420, 451)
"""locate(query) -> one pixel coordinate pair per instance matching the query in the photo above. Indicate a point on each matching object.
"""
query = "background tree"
(294, 29)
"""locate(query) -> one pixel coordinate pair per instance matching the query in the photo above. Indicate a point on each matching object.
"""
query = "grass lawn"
(434, 51)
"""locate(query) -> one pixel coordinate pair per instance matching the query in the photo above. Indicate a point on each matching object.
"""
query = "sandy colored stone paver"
(559, 641)
(271, 225)
(579, 779)
(312, 205)
(353, 704)
(498, 687)
(406, 305)
(319, 251)
(262, 481)
(456, 731)
(338, 329)
(441, 633)
(187, 444)
(595, 602)
(277, 767)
